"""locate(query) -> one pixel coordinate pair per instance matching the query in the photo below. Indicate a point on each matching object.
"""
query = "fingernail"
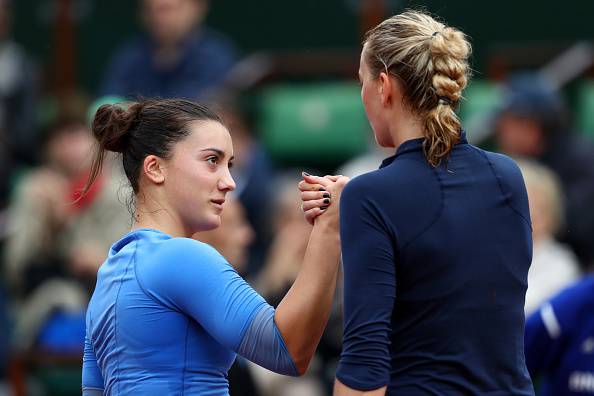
(305, 174)
(326, 201)
(323, 207)
(322, 189)
(326, 195)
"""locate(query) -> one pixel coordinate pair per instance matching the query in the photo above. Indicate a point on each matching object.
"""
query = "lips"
(218, 201)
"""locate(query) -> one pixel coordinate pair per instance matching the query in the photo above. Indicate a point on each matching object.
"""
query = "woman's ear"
(386, 89)
(153, 169)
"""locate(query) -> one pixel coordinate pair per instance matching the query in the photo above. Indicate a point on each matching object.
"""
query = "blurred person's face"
(371, 98)
(233, 237)
(519, 136)
(197, 178)
(70, 149)
(169, 21)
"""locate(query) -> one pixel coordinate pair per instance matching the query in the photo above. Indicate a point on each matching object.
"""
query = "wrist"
(327, 224)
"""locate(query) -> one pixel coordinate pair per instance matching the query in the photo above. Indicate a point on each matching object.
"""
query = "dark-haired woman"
(436, 244)
(169, 313)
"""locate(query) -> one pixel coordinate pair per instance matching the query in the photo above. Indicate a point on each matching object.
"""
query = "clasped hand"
(321, 196)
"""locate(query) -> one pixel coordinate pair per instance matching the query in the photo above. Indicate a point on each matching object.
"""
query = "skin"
(393, 123)
(68, 151)
(391, 120)
(169, 198)
(169, 21)
(185, 194)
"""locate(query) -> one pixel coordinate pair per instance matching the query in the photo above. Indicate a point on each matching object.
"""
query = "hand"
(318, 194)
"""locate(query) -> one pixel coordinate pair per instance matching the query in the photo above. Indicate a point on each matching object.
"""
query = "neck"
(405, 126)
(150, 213)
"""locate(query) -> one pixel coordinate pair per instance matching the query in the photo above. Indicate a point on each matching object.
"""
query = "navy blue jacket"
(206, 59)
(435, 275)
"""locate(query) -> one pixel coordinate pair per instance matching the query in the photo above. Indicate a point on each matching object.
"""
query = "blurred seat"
(320, 124)
(585, 108)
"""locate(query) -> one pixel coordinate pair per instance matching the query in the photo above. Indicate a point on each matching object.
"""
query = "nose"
(226, 182)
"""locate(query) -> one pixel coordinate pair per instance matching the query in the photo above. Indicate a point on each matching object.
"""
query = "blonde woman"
(436, 244)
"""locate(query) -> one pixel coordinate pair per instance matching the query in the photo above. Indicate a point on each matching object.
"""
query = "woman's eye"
(212, 160)
(230, 165)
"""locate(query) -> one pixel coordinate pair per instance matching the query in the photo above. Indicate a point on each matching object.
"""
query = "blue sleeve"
(547, 330)
(92, 380)
(369, 290)
(264, 345)
(199, 282)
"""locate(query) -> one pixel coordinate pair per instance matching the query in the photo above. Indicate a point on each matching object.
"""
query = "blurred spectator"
(40, 208)
(253, 172)
(177, 57)
(554, 266)
(232, 239)
(55, 245)
(17, 105)
(534, 123)
(291, 235)
(560, 342)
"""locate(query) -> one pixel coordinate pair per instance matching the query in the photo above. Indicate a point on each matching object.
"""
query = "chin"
(207, 224)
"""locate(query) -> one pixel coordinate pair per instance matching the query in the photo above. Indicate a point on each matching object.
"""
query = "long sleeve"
(200, 283)
(92, 380)
(369, 290)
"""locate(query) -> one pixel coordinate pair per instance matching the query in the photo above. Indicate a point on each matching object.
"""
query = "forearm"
(303, 313)
(341, 389)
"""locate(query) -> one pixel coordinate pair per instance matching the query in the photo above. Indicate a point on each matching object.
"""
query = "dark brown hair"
(139, 129)
(431, 62)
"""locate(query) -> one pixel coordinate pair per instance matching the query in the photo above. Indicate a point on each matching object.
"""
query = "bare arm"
(303, 313)
(341, 389)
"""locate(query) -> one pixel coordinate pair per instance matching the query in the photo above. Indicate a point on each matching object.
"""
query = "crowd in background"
(52, 241)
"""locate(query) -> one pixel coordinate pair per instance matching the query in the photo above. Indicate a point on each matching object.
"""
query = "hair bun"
(112, 124)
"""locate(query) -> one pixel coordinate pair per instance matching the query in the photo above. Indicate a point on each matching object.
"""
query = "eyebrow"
(217, 151)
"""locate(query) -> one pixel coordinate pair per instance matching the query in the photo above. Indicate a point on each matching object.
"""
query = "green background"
(306, 24)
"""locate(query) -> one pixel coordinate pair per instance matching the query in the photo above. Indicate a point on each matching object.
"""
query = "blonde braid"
(431, 62)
